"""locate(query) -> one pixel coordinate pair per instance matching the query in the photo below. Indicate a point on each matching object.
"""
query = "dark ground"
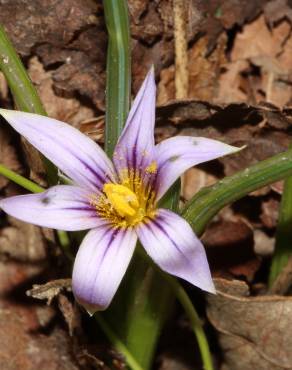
(240, 90)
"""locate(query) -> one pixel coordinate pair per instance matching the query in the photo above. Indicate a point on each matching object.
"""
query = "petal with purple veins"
(172, 244)
(62, 207)
(100, 265)
(135, 146)
(177, 154)
(80, 158)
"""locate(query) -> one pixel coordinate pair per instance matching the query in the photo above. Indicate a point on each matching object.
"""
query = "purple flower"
(117, 201)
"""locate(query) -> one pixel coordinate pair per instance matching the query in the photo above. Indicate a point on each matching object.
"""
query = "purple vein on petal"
(100, 264)
(172, 244)
(61, 207)
(80, 158)
(177, 154)
(135, 146)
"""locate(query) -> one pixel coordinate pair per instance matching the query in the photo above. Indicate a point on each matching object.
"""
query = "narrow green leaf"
(20, 180)
(118, 70)
(283, 247)
(24, 93)
(209, 201)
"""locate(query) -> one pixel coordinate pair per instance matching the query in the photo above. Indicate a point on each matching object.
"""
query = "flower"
(117, 201)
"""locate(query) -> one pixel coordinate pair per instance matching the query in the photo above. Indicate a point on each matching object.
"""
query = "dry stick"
(181, 49)
(269, 91)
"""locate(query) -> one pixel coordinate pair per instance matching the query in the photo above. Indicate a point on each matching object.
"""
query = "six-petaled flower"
(117, 200)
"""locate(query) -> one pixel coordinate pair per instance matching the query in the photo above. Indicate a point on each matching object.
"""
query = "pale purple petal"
(172, 244)
(177, 154)
(100, 265)
(72, 152)
(135, 146)
(62, 207)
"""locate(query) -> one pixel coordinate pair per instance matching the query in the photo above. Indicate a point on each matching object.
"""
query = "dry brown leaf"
(64, 109)
(23, 241)
(70, 313)
(253, 331)
(204, 71)
(68, 110)
(137, 8)
(230, 251)
(49, 290)
(256, 40)
(230, 83)
(23, 344)
(270, 50)
(22, 347)
(270, 212)
(195, 179)
(277, 10)
(165, 87)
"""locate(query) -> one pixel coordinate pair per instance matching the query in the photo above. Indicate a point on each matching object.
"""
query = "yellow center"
(125, 204)
(131, 201)
(122, 199)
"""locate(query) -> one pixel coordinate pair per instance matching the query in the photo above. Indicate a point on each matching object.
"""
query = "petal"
(172, 244)
(100, 265)
(177, 154)
(135, 146)
(72, 152)
(62, 207)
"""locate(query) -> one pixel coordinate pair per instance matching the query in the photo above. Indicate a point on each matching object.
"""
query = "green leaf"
(209, 201)
(23, 90)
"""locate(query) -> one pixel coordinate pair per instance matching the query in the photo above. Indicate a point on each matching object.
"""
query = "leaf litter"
(239, 69)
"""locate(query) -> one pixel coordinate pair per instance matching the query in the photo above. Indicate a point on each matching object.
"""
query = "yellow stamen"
(123, 200)
(152, 168)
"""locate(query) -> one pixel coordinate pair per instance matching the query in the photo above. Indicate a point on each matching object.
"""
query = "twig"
(269, 89)
(181, 49)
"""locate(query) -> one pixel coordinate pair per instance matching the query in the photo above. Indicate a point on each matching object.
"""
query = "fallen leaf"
(270, 212)
(230, 83)
(276, 10)
(23, 242)
(256, 40)
(252, 330)
(64, 109)
(195, 179)
(70, 313)
(230, 248)
(49, 290)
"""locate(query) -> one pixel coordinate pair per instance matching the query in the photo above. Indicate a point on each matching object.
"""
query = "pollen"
(125, 204)
(152, 168)
(123, 200)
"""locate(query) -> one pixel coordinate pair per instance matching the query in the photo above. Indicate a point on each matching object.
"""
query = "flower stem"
(196, 323)
(24, 92)
(117, 342)
(118, 70)
(20, 180)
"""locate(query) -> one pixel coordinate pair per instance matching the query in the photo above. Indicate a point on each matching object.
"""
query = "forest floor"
(239, 91)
